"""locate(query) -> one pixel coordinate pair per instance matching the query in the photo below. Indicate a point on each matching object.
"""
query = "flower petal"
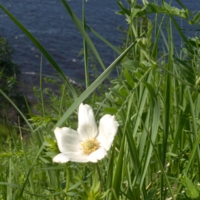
(70, 156)
(107, 130)
(97, 155)
(67, 139)
(87, 127)
(61, 158)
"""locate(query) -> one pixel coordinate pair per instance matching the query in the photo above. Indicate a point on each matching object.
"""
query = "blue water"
(49, 22)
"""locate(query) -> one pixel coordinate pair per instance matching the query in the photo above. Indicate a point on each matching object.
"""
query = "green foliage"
(150, 8)
(155, 98)
(191, 190)
(5, 50)
(8, 70)
(9, 74)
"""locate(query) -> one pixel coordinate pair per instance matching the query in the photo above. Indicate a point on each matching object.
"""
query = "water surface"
(49, 22)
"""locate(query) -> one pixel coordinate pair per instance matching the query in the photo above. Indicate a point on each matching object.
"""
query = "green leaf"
(196, 18)
(190, 188)
(166, 9)
(131, 64)
(129, 78)
(123, 11)
(175, 11)
(111, 111)
(123, 91)
(118, 171)
(187, 72)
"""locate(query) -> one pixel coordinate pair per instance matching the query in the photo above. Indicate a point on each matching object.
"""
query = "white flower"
(88, 143)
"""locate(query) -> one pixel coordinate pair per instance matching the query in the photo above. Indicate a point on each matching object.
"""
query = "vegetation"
(155, 98)
(9, 75)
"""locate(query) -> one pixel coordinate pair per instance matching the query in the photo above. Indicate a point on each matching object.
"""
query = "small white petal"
(87, 127)
(97, 155)
(61, 158)
(107, 130)
(70, 156)
(67, 139)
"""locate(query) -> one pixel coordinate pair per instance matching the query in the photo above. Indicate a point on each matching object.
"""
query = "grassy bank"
(155, 100)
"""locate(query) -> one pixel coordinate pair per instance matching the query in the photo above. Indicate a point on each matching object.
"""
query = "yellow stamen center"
(89, 146)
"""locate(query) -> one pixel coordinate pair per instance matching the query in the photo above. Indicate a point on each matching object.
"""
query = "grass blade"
(81, 28)
(92, 87)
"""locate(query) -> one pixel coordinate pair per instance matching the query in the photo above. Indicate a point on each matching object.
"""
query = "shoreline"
(28, 80)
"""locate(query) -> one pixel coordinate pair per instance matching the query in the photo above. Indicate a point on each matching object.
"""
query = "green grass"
(155, 98)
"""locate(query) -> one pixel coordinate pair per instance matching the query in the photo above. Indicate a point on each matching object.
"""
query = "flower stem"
(67, 179)
(99, 174)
